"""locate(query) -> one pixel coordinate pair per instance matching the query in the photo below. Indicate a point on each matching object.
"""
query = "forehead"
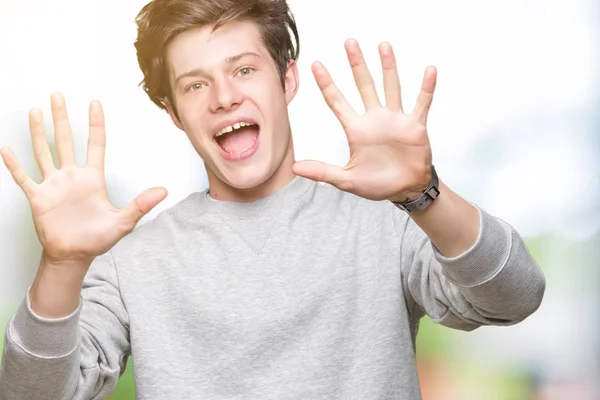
(201, 48)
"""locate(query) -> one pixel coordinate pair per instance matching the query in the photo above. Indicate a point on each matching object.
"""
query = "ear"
(171, 112)
(291, 81)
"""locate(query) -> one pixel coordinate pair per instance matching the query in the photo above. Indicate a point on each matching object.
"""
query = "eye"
(195, 86)
(245, 71)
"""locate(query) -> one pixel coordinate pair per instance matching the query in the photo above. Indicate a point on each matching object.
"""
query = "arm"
(78, 356)
(452, 224)
(485, 275)
(65, 342)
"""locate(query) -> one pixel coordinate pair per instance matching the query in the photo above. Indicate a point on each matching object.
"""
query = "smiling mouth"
(238, 138)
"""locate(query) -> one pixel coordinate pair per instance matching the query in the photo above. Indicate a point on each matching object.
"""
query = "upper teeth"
(230, 128)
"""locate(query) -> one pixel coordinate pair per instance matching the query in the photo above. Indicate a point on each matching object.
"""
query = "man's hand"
(390, 154)
(73, 217)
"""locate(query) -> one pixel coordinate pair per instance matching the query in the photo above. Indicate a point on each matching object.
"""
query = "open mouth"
(238, 138)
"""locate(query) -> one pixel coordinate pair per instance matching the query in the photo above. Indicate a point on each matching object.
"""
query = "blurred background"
(515, 128)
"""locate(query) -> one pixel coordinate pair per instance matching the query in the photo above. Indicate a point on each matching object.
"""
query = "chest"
(310, 306)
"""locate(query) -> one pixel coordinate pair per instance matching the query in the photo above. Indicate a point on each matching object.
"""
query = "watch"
(424, 200)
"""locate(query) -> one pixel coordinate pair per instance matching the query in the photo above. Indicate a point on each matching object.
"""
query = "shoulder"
(372, 211)
(169, 223)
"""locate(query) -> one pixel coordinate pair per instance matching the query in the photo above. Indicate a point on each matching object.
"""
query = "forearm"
(56, 289)
(451, 223)
(497, 276)
(495, 281)
(41, 357)
(70, 356)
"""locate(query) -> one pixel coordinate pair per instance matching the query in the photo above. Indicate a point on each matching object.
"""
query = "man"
(266, 285)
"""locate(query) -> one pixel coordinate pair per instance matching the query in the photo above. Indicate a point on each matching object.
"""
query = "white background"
(511, 125)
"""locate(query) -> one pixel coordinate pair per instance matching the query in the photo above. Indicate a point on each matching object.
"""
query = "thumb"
(322, 172)
(143, 203)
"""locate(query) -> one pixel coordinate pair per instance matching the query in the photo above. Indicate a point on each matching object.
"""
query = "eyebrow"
(228, 60)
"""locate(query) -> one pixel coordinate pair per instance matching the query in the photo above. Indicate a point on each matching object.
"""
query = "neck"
(283, 175)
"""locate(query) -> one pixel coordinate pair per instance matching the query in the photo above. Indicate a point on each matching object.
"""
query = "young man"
(266, 285)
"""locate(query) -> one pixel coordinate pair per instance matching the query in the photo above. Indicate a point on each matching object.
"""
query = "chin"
(249, 176)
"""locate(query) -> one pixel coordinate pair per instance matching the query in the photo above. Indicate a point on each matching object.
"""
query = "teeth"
(231, 128)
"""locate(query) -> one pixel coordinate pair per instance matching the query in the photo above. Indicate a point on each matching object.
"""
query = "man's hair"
(161, 21)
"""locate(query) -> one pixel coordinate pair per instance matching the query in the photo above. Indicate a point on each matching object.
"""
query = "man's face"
(231, 103)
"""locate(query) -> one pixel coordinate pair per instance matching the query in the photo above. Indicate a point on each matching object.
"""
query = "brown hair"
(161, 21)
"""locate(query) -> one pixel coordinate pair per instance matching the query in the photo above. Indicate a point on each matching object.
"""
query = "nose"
(225, 96)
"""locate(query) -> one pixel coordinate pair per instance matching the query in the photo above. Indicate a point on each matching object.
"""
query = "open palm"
(72, 214)
(390, 153)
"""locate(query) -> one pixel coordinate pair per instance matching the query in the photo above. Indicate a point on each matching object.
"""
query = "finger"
(362, 76)
(322, 172)
(97, 138)
(391, 81)
(62, 131)
(142, 205)
(332, 95)
(18, 173)
(425, 98)
(41, 149)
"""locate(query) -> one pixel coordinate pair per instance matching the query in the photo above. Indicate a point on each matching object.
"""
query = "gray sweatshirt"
(310, 293)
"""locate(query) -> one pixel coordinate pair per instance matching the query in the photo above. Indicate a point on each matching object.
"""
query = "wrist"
(416, 190)
(73, 264)
(57, 286)
(67, 266)
(407, 196)
(413, 201)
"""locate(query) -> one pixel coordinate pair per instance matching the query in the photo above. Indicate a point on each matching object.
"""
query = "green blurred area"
(126, 388)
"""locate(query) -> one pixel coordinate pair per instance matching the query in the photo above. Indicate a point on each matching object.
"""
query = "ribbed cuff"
(43, 337)
(485, 258)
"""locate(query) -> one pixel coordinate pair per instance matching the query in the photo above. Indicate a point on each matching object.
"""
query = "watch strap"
(425, 199)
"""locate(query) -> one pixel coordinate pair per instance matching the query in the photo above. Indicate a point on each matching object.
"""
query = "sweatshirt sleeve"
(80, 356)
(495, 282)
